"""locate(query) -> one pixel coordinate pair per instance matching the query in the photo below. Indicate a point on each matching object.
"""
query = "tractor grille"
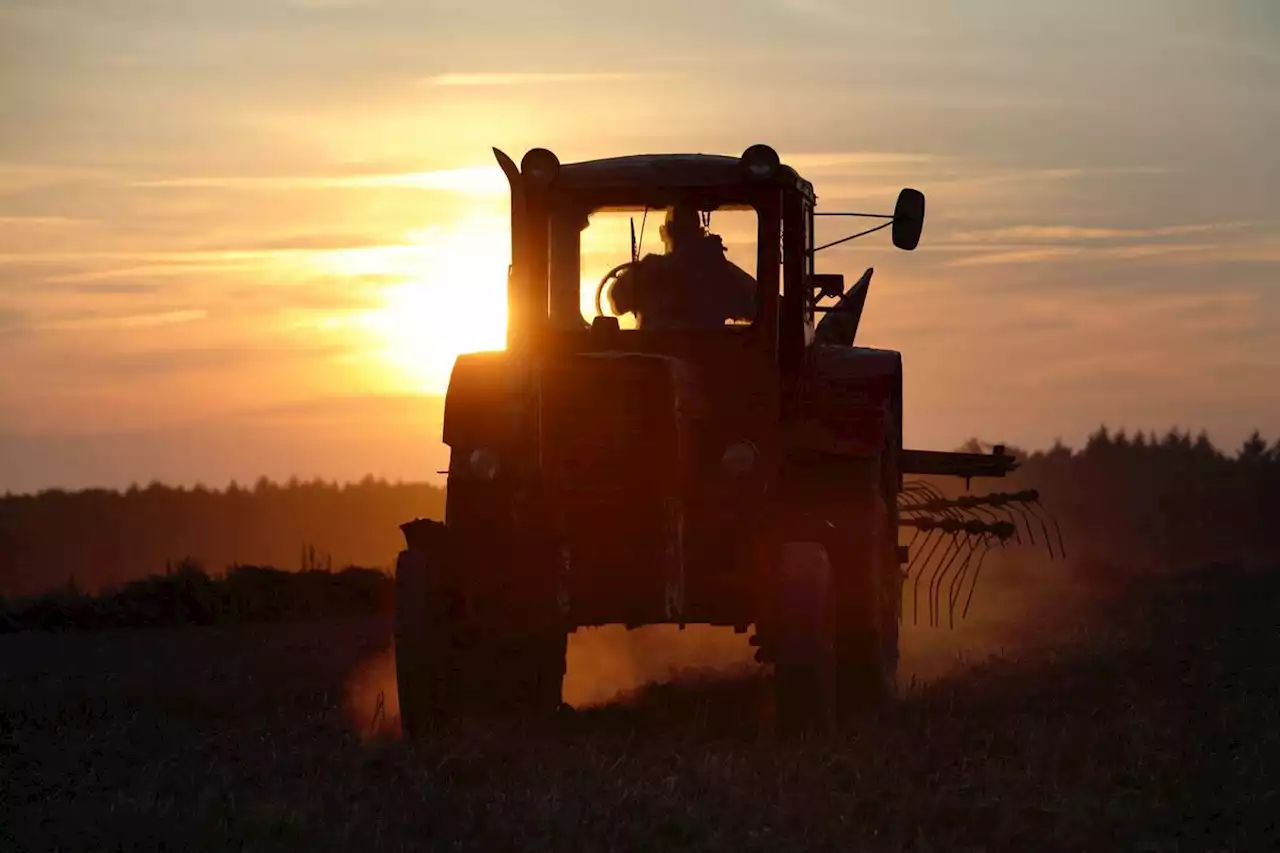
(612, 429)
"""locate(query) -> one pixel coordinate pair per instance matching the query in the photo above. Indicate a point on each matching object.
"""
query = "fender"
(479, 405)
(848, 401)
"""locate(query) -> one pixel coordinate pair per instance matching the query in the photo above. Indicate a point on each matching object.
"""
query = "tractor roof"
(668, 170)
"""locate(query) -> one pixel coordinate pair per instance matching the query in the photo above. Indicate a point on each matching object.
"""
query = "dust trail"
(372, 703)
(1023, 603)
(603, 665)
(609, 662)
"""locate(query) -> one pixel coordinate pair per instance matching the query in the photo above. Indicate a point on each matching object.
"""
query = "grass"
(189, 596)
(1155, 728)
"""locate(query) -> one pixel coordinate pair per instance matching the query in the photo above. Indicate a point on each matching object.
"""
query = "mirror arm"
(865, 215)
(871, 230)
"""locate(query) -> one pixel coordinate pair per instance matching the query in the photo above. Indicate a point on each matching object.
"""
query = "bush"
(189, 596)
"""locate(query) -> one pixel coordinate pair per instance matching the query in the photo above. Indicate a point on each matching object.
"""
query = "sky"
(249, 237)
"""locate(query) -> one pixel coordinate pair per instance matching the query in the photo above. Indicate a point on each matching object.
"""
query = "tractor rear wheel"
(868, 594)
(466, 650)
(837, 604)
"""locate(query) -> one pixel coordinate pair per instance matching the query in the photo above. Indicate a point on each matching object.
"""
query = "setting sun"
(446, 295)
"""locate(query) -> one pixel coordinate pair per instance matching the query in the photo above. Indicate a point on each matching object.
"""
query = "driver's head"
(683, 226)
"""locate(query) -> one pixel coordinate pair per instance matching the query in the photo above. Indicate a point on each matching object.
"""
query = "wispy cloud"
(326, 5)
(1142, 251)
(126, 321)
(857, 159)
(21, 177)
(41, 221)
(533, 78)
(468, 180)
(1032, 243)
(1071, 233)
(840, 14)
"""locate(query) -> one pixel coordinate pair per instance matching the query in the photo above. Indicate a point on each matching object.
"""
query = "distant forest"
(1125, 502)
(95, 538)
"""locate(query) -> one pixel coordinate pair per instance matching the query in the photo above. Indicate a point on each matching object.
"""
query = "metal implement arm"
(941, 463)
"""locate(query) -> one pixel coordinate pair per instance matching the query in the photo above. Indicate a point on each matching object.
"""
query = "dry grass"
(1157, 731)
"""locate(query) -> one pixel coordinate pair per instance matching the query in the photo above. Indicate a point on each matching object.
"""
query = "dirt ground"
(1147, 720)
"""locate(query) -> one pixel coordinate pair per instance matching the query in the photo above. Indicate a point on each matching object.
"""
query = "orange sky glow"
(249, 238)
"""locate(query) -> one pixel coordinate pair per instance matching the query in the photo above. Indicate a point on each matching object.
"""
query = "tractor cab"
(686, 254)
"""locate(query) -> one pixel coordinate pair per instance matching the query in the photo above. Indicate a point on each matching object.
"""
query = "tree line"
(1143, 502)
(1136, 502)
(95, 538)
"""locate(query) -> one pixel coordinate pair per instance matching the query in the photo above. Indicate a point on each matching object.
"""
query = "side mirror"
(908, 219)
(827, 285)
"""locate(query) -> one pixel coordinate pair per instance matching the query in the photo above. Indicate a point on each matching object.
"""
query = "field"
(1146, 720)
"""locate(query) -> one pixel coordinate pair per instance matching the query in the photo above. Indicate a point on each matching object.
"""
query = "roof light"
(540, 167)
(760, 161)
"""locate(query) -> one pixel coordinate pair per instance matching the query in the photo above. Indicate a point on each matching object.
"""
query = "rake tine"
(974, 585)
(1043, 526)
(1062, 545)
(1011, 515)
(954, 548)
(1022, 511)
(958, 579)
(929, 489)
(935, 580)
(911, 544)
(920, 574)
(918, 555)
(1007, 515)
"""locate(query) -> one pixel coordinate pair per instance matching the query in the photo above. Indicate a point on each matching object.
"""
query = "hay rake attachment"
(952, 536)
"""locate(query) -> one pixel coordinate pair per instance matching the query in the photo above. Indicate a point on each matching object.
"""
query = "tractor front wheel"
(805, 664)
(465, 653)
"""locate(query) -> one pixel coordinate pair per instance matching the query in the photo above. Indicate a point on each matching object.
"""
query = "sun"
(449, 297)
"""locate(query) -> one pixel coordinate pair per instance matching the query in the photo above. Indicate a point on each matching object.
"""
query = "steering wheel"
(609, 276)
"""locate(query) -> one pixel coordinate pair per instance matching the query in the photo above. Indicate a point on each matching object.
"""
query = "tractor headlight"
(740, 457)
(760, 161)
(484, 463)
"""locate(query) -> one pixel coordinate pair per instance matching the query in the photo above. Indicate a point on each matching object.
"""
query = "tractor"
(746, 471)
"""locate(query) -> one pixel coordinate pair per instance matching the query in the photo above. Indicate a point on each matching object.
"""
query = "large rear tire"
(837, 605)
(869, 595)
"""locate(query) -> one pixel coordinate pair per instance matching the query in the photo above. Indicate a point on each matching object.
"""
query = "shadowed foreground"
(1159, 732)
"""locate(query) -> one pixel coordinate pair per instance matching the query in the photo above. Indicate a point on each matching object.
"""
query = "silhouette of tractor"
(743, 471)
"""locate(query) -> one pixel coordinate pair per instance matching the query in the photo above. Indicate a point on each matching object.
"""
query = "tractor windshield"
(682, 267)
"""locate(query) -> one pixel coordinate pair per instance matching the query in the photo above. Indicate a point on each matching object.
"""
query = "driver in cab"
(692, 286)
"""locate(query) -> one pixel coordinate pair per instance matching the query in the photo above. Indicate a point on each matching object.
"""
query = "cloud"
(1017, 256)
(125, 321)
(467, 180)
(840, 14)
(534, 78)
(1034, 243)
(41, 221)
(22, 177)
(329, 5)
(857, 159)
(1071, 233)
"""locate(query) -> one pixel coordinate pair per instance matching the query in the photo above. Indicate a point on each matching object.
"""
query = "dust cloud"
(1022, 603)
(610, 662)
(372, 704)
